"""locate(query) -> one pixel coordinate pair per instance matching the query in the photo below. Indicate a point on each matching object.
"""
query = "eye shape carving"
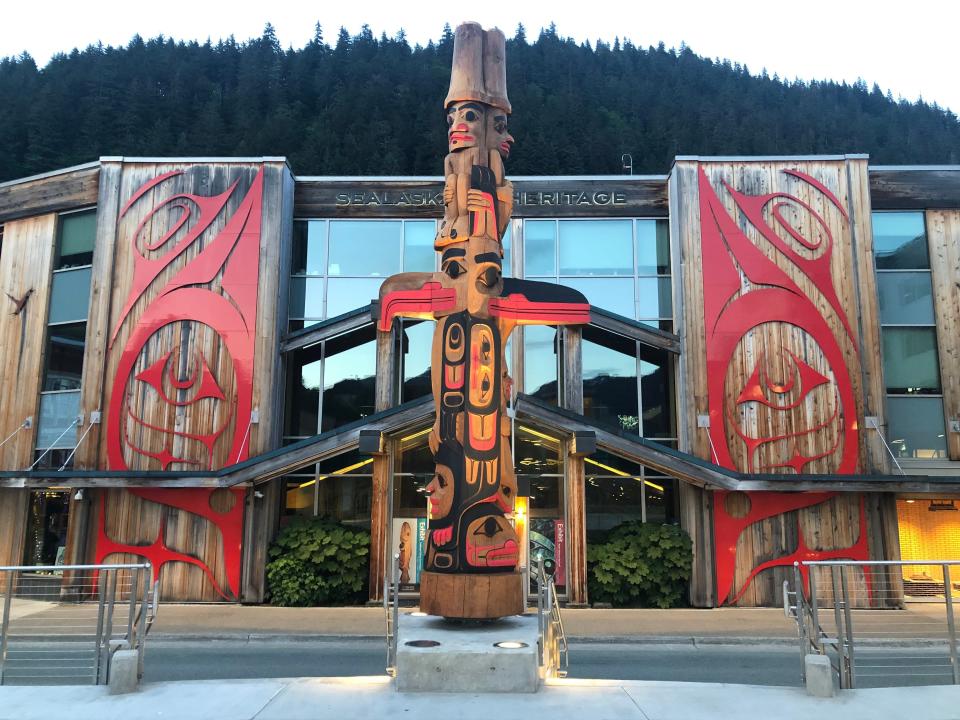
(470, 115)
(454, 269)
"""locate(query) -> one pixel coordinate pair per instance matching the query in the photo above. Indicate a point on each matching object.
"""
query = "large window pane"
(306, 298)
(596, 247)
(507, 243)
(610, 379)
(906, 298)
(656, 394)
(537, 453)
(304, 376)
(540, 247)
(64, 357)
(655, 299)
(910, 362)
(418, 253)
(417, 338)
(540, 362)
(361, 248)
(614, 493)
(345, 498)
(916, 427)
(346, 294)
(69, 296)
(299, 496)
(900, 241)
(76, 234)
(653, 247)
(57, 412)
(660, 500)
(349, 378)
(612, 294)
(309, 247)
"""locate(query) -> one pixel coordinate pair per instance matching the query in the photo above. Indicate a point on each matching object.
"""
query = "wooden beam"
(914, 188)
(576, 540)
(61, 190)
(327, 329)
(634, 330)
(572, 368)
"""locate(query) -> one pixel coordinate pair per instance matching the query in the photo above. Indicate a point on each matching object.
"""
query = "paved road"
(762, 665)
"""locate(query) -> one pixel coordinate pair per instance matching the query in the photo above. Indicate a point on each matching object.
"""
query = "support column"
(385, 398)
(576, 530)
(572, 398)
(696, 517)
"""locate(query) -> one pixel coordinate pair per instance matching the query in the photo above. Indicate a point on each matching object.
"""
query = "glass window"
(596, 247)
(614, 493)
(306, 298)
(418, 253)
(69, 296)
(363, 248)
(655, 299)
(656, 394)
(345, 498)
(660, 499)
(653, 247)
(415, 467)
(540, 362)
(906, 298)
(309, 247)
(299, 496)
(915, 427)
(900, 241)
(76, 234)
(610, 379)
(58, 411)
(506, 242)
(349, 378)
(536, 453)
(612, 294)
(64, 357)
(304, 377)
(910, 362)
(540, 247)
(417, 339)
(346, 294)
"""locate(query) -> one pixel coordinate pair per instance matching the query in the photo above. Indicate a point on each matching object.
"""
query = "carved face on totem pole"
(473, 490)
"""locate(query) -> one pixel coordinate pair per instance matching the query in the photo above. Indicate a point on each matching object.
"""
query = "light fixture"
(422, 643)
(910, 502)
(418, 613)
(510, 645)
(78, 495)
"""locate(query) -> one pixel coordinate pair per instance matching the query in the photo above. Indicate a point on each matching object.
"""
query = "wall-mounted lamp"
(78, 495)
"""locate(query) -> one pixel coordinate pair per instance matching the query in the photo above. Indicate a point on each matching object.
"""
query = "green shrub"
(316, 561)
(640, 565)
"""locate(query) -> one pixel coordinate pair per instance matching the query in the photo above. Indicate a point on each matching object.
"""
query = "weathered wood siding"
(57, 191)
(758, 436)
(943, 233)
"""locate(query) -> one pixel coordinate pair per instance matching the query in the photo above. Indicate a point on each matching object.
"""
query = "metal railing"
(554, 651)
(61, 624)
(862, 615)
(391, 606)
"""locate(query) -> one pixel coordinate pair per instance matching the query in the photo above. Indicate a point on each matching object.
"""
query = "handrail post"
(101, 592)
(848, 623)
(132, 607)
(951, 628)
(801, 621)
(838, 621)
(5, 629)
(814, 608)
(146, 576)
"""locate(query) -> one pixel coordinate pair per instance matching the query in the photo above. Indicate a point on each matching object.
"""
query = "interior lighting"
(539, 434)
(416, 434)
(511, 645)
(341, 471)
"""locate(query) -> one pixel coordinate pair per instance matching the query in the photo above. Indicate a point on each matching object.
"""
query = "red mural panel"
(215, 292)
(747, 293)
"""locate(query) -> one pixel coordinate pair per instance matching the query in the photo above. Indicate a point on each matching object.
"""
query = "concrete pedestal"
(466, 657)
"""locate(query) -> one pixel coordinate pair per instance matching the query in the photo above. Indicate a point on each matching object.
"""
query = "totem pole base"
(472, 596)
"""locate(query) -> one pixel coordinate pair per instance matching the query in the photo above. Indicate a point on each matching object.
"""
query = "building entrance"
(46, 540)
(929, 530)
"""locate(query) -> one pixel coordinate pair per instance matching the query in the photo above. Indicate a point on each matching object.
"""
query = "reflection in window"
(417, 342)
(58, 411)
(76, 234)
(539, 248)
(653, 247)
(540, 362)
(64, 356)
(338, 488)
(910, 362)
(346, 294)
(656, 393)
(309, 248)
(612, 294)
(906, 298)
(596, 247)
(900, 241)
(418, 253)
(618, 491)
(360, 248)
(610, 379)
(539, 465)
(915, 426)
(68, 295)
(349, 378)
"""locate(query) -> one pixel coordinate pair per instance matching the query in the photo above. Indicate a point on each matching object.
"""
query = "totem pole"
(472, 551)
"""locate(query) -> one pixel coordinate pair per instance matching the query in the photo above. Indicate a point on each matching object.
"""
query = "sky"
(910, 48)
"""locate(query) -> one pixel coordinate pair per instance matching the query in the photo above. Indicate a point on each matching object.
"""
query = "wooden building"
(189, 357)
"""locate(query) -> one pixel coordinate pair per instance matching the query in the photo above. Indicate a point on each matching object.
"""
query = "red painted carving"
(215, 289)
(426, 302)
(193, 500)
(744, 288)
(517, 307)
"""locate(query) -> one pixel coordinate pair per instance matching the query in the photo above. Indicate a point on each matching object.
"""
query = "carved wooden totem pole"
(470, 569)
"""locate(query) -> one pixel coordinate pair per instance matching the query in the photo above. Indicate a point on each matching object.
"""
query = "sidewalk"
(375, 698)
(259, 622)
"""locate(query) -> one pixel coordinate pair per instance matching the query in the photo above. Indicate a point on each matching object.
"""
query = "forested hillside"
(362, 105)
